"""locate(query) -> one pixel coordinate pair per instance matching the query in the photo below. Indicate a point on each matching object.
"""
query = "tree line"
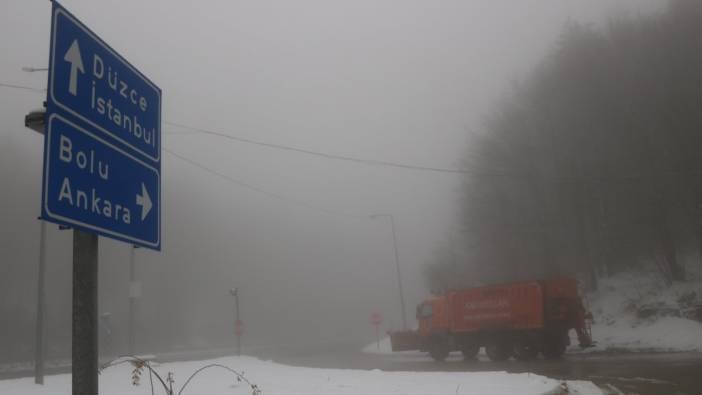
(590, 166)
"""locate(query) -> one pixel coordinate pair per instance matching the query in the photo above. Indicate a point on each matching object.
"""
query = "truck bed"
(516, 306)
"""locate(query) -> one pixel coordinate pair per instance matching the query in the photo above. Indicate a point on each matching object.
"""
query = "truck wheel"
(553, 348)
(470, 351)
(525, 350)
(497, 351)
(439, 352)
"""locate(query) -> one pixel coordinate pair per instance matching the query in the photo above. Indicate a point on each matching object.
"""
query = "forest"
(590, 165)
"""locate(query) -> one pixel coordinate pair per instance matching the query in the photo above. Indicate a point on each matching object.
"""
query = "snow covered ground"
(668, 334)
(272, 378)
(618, 322)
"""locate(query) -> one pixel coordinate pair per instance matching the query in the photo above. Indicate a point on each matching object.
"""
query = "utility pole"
(40, 339)
(237, 323)
(397, 266)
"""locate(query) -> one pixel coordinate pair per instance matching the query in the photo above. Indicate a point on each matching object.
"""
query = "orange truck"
(519, 319)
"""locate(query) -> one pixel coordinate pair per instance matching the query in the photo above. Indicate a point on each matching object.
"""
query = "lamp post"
(397, 265)
(40, 340)
(35, 121)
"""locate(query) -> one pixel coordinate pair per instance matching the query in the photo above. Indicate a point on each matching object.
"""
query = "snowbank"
(665, 334)
(274, 378)
(382, 347)
(620, 325)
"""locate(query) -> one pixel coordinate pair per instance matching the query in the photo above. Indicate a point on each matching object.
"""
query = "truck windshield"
(426, 311)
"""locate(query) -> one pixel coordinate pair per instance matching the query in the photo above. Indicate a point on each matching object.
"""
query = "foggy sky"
(402, 81)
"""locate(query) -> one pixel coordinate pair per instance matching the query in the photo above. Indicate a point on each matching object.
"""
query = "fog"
(403, 82)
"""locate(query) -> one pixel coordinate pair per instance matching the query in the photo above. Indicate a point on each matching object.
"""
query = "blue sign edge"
(50, 111)
(56, 8)
(48, 216)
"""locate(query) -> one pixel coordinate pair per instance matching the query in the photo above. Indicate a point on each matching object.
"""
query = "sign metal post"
(85, 313)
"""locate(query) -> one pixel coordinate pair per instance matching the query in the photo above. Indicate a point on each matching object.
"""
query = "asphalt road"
(621, 373)
(617, 373)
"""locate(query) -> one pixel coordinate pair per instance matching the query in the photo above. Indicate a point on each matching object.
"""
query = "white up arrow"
(73, 57)
(144, 201)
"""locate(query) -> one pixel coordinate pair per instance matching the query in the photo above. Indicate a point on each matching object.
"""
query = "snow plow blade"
(405, 340)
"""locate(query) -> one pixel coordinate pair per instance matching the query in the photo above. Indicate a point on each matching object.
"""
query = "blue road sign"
(99, 186)
(92, 82)
(103, 138)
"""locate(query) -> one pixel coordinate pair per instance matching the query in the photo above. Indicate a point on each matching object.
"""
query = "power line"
(374, 162)
(257, 189)
(224, 176)
(27, 88)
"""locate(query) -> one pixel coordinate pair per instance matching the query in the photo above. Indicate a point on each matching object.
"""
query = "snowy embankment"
(272, 378)
(638, 312)
(383, 347)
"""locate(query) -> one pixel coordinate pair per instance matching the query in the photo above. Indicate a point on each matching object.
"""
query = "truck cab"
(432, 316)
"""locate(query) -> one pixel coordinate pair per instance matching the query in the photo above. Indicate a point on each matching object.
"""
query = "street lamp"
(35, 120)
(397, 265)
(33, 69)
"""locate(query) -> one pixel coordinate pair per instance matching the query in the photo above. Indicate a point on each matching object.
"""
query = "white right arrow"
(73, 57)
(144, 201)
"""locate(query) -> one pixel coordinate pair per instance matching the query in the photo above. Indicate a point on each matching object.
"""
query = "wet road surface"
(622, 373)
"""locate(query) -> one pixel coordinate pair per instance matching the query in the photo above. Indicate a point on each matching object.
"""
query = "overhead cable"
(319, 153)
(257, 189)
